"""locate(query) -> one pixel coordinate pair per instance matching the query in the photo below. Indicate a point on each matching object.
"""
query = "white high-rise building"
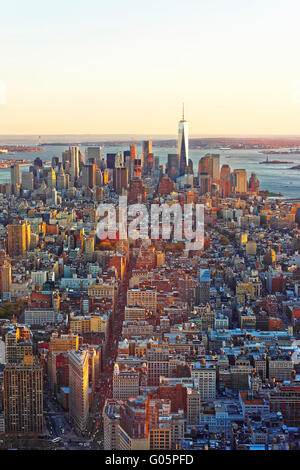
(183, 144)
(54, 196)
(74, 164)
(206, 378)
(39, 277)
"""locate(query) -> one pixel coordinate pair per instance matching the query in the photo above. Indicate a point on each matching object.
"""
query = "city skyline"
(150, 228)
(126, 68)
(174, 326)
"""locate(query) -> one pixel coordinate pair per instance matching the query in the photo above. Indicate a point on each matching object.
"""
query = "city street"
(57, 420)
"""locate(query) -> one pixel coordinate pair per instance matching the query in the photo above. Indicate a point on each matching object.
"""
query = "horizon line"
(156, 135)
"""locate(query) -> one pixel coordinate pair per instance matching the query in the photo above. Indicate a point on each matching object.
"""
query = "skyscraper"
(51, 178)
(253, 184)
(120, 179)
(205, 165)
(215, 167)
(146, 149)
(23, 396)
(89, 175)
(74, 163)
(18, 344)
(204, 286)
(110, 160)
(129, 166)
(183, 144)
(173, 166)
(15, 175)
(204, 183)
(79, 388)
(54, 196)
(54, 162)
(150, 163)
(27, 180)
(66, 157)
(93, 152)
(225, 181)
(61, 181)
(38, 162)
(133, 151)
(137, 191)
(5, 278)
(18, 239)
(239, 181)
(210, 164)
(119, 160)
(137, 168)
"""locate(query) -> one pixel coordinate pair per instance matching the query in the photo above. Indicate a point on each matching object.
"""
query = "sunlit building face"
(183, 144)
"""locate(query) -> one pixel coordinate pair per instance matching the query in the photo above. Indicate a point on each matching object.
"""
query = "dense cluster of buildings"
(206, 354)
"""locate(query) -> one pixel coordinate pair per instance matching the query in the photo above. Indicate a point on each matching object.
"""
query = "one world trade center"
(183, 144)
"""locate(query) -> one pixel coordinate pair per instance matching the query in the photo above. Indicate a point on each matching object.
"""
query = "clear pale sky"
(125, 66)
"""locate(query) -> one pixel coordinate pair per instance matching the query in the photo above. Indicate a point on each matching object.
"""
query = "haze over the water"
(35, 139)
(118, 67)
